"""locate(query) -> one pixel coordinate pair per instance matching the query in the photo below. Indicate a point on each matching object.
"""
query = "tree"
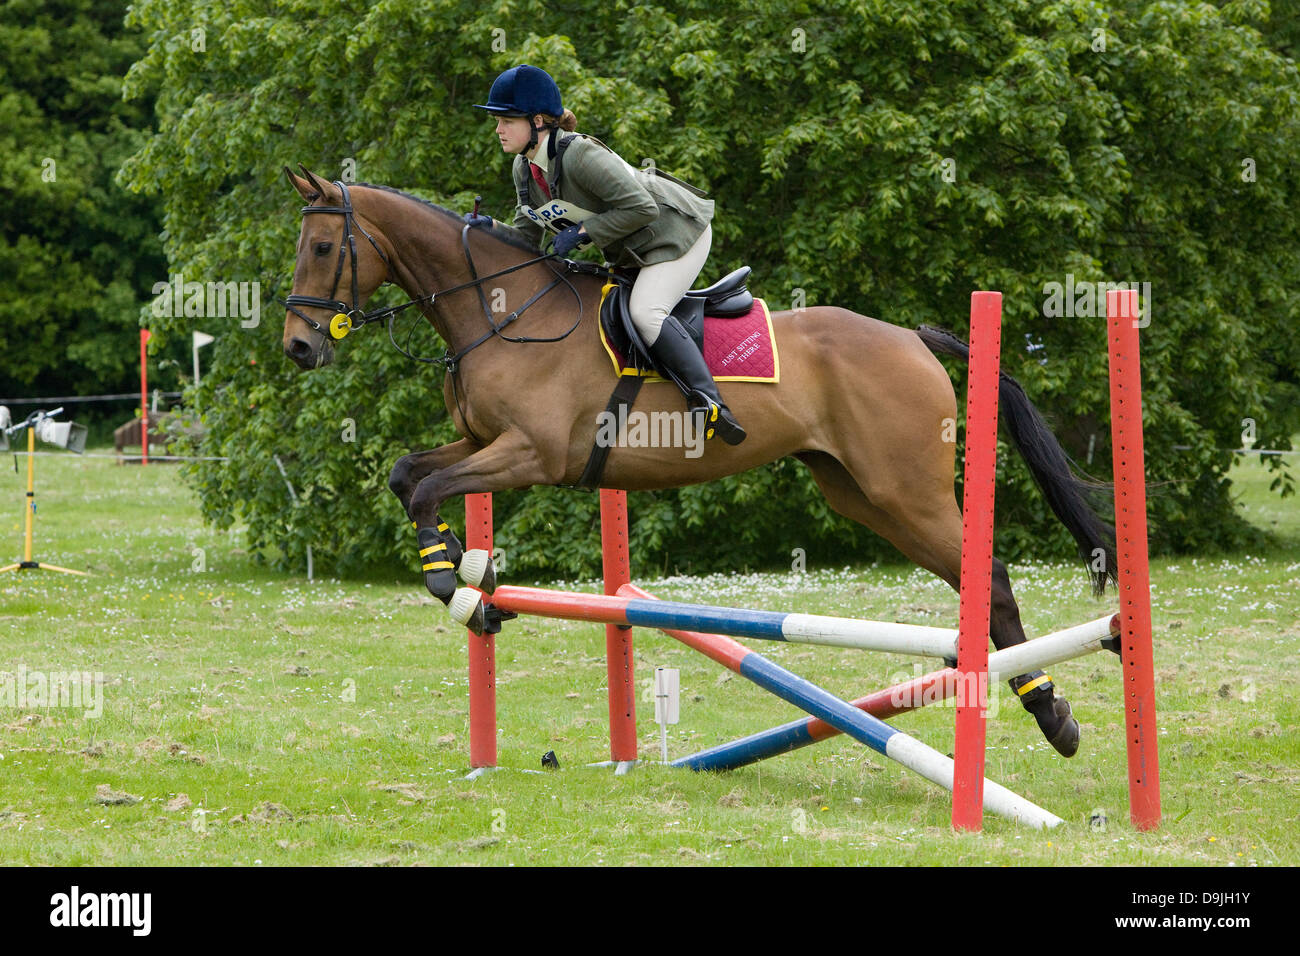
(888, 156)
(76, 249)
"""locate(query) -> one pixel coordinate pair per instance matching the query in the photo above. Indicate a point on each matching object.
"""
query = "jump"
(865, 405)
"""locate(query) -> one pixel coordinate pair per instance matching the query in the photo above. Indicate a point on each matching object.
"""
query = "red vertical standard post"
(144, 399)
(1134, 573)
(482, 650)
(976, 558)
(616, 564)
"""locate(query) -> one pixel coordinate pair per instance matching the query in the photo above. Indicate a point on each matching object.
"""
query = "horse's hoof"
(439, 573)
(466, 608)
(476, 569)
(1059, 727)
(1038, 695)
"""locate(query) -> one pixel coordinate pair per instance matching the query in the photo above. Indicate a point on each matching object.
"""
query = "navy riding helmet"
(523, 91)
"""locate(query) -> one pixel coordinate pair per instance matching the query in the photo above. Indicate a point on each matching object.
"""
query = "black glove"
(478, 220)
(568, 240)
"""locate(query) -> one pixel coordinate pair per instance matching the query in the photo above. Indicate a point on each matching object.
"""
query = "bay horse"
(865, 405)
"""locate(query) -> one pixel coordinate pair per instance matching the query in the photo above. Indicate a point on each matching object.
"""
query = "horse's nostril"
(298, 348)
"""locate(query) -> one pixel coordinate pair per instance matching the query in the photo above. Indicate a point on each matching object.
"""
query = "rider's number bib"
(556, 214)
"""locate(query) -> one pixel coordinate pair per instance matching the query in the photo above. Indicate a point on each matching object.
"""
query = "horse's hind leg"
(926, 526)
(1036, 690)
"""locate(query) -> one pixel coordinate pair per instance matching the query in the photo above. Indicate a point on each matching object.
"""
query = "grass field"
(250, 717)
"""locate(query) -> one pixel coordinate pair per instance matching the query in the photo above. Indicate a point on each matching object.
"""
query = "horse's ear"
(315, 183)
(300, 184)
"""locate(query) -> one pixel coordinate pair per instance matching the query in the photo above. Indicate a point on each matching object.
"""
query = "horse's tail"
(1069, 495)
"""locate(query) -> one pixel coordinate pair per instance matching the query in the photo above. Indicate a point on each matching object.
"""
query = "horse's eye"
(323, 248)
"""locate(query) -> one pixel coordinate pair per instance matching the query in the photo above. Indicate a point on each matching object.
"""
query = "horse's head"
(335, 273)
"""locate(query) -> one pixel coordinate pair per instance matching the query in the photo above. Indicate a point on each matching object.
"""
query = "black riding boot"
(678, 354)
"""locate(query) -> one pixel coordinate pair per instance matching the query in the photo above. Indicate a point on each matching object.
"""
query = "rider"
(584, 191)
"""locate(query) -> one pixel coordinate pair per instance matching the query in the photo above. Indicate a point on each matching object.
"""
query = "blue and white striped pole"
(884, 739)
(736, 622)
(844, 717)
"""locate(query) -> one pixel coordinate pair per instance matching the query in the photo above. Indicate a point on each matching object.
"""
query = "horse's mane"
(500, 235)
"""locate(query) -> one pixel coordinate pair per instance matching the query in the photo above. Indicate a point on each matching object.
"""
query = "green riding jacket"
(636, 217)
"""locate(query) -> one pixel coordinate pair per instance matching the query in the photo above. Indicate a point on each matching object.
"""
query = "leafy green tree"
(887, 156)
(1283, 28)
(78, 253)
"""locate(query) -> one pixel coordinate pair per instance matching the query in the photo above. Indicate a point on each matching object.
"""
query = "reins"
(449, 360)
(350, 316)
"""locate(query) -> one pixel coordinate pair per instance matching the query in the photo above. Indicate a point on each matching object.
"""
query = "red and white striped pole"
(976, 558)
(1131, 546)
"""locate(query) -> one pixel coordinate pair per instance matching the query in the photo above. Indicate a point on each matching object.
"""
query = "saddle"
(728, 298)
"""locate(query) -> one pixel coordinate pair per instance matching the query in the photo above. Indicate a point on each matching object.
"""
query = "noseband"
(346, 317)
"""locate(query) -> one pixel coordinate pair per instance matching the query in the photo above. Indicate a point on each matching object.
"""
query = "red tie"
(541, 180)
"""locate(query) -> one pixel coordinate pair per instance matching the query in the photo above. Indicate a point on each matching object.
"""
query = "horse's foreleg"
(509, 462)
(411, 469)
(407, 474)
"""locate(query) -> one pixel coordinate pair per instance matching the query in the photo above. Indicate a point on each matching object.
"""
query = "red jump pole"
(618, 640)
(145, 335)
(1134, 572)
(976, 558)
(482, 650)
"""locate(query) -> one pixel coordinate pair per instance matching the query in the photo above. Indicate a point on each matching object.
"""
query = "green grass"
(325, 723)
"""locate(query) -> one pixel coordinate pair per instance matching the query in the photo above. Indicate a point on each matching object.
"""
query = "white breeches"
(661, 286)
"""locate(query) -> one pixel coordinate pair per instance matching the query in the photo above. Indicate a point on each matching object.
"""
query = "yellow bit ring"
(340, 325)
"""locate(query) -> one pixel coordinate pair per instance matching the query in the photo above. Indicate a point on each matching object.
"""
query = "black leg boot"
(677, 353)
(439, 573)
(1037, 694)
(454, 549)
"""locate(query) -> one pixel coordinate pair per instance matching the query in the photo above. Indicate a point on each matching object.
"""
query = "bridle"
(347, 317)
(351, 316)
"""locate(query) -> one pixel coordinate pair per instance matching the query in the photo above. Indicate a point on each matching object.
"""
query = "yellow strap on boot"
(1036, 682)
(434, 565)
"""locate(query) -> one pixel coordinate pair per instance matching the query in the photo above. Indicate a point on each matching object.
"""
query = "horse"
(865, 405)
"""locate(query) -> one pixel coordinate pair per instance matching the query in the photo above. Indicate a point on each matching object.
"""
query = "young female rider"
(578, 188)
